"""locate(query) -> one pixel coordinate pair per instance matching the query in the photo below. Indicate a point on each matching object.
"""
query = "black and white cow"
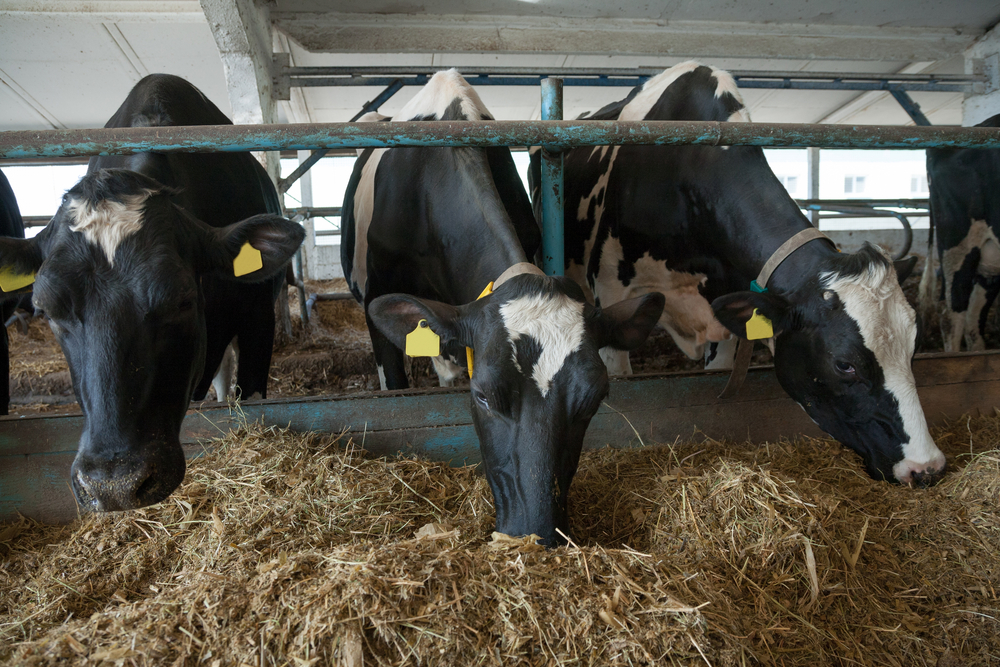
(425, 231)
(697, 224)
(12, 225)
(135, 273)
(965, 205)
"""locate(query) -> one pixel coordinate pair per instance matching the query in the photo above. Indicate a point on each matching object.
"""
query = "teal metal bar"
(553, 245)
(564, 133)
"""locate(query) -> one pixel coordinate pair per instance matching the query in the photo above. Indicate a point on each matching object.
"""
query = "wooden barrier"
(36, 452)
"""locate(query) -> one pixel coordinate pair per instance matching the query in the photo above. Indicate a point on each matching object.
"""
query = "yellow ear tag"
(468, 351)
(759, 327)
(422, 341)
(247, 261)
(10, 281)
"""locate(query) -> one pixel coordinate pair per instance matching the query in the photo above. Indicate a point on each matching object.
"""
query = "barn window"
(790, 183)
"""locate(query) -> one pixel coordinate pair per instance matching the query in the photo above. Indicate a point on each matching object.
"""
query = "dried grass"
(286, 549)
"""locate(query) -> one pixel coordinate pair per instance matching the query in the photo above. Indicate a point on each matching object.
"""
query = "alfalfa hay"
(286, 549)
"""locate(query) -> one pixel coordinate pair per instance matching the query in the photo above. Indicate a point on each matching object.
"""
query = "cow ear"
(396, 315)
(275, 238)
(21, 257)
(904, 267)
(733, 310)
(626, 324)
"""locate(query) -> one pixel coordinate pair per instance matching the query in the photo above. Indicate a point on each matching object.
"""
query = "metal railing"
(564, 134)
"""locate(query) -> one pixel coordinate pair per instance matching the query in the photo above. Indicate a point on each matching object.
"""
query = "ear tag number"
(248, 261)
(468, 351)
(10, 281)
(422, 341)
(759, 327)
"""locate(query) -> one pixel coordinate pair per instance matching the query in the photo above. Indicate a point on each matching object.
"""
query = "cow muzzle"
(125, 482)
(920, 475)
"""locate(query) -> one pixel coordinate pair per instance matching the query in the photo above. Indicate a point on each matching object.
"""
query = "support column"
(812, 176)
(983, 58)
(242, 31)
(553, 261)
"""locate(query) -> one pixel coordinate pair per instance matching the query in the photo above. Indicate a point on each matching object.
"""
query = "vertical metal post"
(812, 187)
(553, 261)
(309, 245)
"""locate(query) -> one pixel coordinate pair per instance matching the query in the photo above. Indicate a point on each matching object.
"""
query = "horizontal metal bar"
(36, 220)
(634, 80)
(881, 203)
(565, 133)
(472, 70)
(313, 211)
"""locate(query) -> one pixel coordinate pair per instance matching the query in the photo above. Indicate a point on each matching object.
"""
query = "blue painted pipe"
(565, 133)
(553, 251)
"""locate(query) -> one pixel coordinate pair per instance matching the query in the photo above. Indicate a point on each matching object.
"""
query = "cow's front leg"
(616, 360)
(388, 359)
(719, 355)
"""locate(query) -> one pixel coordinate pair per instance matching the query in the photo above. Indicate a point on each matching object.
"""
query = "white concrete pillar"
(983, 57)
(242, 31)
(812, 174)
(306, 197)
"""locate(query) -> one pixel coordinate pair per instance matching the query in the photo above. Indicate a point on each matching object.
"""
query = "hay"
(285, 549)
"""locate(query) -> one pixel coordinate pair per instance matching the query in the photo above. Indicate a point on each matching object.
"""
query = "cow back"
(217, 188)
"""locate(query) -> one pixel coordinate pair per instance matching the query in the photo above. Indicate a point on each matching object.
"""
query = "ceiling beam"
(865, 101)
(412, 33)
(106, 11)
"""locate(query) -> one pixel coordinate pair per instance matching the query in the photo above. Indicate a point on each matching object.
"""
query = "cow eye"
(845, 367)
(480, 398)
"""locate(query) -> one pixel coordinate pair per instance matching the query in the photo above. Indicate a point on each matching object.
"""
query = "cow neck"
(792, 246)
(801, 265)
(486, 272)
(788, 268)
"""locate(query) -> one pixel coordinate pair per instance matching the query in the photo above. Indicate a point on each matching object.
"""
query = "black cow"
(135, 273)
(697, 224)
(965, 206)
(425, 230)
(10, 225)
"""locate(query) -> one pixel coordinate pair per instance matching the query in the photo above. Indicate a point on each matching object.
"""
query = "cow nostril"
(146, 488)
(926, 478)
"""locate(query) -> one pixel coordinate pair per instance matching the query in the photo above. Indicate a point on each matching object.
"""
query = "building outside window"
(854, 185)
(918, 184)
(791, 183)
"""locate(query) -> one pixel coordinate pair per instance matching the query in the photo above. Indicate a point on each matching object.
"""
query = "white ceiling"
(70, 63)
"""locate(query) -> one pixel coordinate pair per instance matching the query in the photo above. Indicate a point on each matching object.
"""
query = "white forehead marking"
(888, 327)
(555, 321)
(107, 223)
(438, 94)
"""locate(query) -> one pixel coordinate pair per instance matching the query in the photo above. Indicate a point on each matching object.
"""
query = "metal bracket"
(909, 106)
(281, 82)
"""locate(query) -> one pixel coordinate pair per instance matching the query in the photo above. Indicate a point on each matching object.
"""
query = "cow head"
(537, 382)
(843, 350)
(119, 272)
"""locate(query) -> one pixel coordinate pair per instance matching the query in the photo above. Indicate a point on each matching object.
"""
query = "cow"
(135, 273)
(425, 230)
(965, 208)
(698, 223)
(12, 225)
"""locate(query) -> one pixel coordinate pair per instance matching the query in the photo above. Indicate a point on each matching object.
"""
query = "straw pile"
(286, 549)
